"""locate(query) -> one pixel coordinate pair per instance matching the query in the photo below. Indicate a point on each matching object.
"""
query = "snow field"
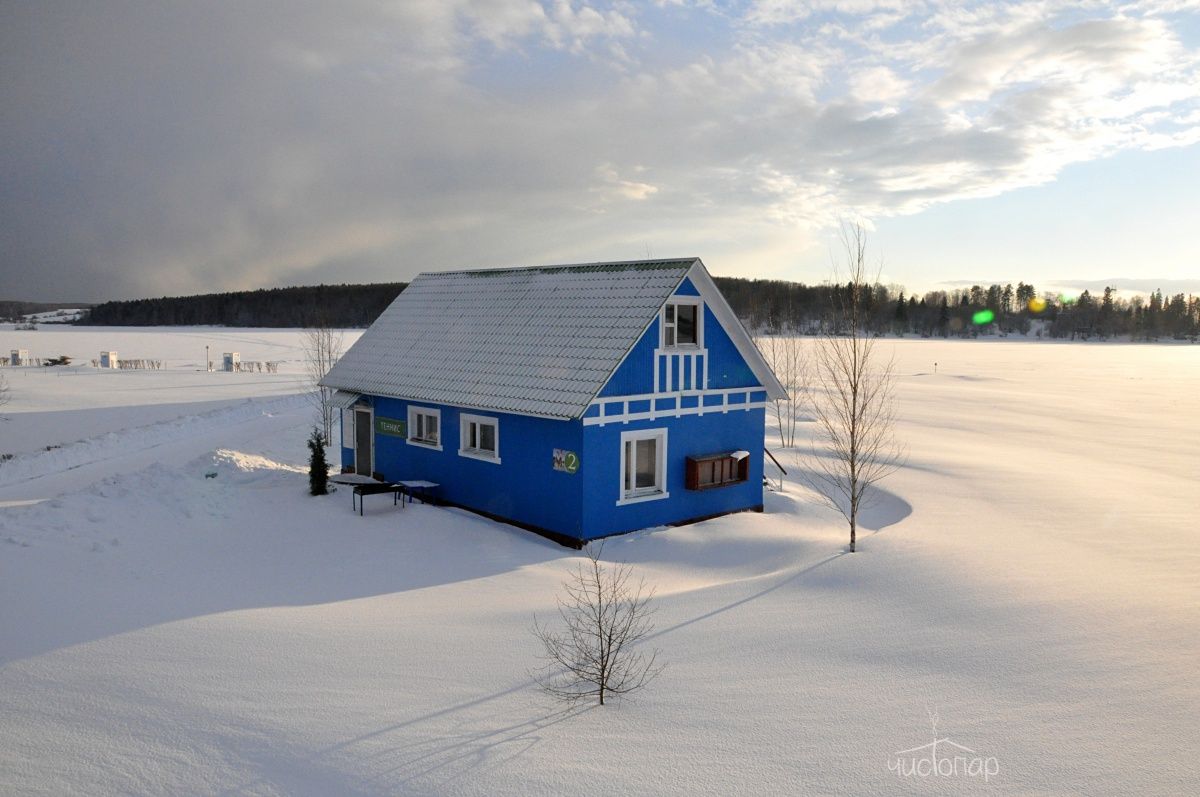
(1031, 577)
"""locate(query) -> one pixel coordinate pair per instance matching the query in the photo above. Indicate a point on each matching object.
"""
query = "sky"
(157, 149)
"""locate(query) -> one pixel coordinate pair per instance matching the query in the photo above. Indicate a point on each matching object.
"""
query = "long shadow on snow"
(84, 574)
(470, 750)
(881, 508)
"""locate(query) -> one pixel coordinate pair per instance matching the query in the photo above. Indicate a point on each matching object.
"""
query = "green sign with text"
(390, 426)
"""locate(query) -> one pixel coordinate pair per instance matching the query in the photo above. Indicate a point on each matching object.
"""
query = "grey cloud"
(195, 147)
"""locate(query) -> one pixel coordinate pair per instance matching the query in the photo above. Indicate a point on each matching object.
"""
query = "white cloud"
(877, 84)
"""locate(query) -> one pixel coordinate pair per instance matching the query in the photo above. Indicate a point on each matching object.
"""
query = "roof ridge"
(651, 263)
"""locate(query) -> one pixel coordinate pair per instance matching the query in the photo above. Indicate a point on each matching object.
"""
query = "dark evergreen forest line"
(777, 306)
(764, 305)
(344, 306)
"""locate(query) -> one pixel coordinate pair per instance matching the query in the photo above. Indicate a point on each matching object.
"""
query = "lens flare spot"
(983, 317)
(1037, 304)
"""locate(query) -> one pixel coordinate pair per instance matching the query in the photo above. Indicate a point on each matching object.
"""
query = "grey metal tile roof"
(535, 341)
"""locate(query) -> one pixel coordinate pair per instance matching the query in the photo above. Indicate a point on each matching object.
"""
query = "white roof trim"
(736, 330)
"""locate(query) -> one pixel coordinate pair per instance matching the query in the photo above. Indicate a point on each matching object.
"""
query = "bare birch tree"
(322, 348)
(785, 354)
(853, 398)
(605, 614)
(5, 393)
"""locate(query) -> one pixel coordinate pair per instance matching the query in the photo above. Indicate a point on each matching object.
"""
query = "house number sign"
(566, 461)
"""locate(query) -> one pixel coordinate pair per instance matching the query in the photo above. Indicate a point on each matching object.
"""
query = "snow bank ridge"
(24, 467)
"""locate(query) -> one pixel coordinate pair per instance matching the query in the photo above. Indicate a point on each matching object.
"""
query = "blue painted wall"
(689, 435)
(726, 366)
(523, 487)
(635, 376)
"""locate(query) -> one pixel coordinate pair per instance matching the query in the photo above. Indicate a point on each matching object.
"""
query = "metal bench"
(361, 490)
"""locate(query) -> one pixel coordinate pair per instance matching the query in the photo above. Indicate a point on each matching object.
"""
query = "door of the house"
(364, 436)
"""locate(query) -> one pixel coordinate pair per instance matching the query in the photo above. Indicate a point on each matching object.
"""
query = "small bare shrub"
(604, 614)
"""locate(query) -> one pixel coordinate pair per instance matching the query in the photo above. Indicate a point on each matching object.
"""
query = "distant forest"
(764, 305)
(320, 305)
(776, 306)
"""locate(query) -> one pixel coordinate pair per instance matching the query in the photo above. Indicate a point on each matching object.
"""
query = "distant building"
(576, 401)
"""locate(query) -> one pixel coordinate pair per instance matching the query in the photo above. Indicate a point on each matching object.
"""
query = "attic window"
(681, 324)
(717, 470)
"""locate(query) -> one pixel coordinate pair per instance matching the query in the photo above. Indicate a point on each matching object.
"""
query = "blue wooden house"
(576, 401)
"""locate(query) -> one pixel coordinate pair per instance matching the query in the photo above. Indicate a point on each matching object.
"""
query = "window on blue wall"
(681, 324)
(643, 465)
(424, 426)
(479, 437)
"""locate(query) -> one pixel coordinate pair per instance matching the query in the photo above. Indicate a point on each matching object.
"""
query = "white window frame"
(659, 491)
(464, 423)
(413, 411)
(676, 302)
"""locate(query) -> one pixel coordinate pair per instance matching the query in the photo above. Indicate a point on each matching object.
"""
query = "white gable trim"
(736, 331)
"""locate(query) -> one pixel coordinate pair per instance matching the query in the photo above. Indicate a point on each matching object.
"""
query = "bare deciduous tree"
(785, 354)
(322, 348)
(604, 614)
(5, 393)
(853, 400)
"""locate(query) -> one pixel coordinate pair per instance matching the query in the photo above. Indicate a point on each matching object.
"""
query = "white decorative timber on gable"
(649, 406)
(676, 370)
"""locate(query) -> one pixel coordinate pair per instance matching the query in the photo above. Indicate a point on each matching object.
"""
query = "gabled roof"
(535, 341)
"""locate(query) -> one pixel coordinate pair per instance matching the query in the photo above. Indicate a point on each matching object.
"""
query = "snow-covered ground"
(53, 406)
(64, 316)
(1031, 579)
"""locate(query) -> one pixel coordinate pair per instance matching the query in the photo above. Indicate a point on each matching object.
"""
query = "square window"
(479, 437)
(424, 427)
(643, 466)
(681, 324)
